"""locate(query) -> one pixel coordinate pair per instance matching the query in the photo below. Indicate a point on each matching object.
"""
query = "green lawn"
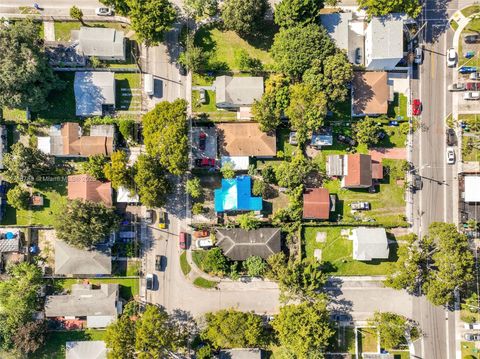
(198, 257)
(400, 354)
(224, 46)
(337, 251)
(209, 106)
(454, 25)
(398, 107)
(470, 150)
(395, 137)
(54, 347)
(470, 10)
(283, 144)
(129, 287)
(367, 340)
(128, 91)
(469, 351)
(14, 115)
(204, 283)
(343, 341)
(54, 194)
(342, 111)
(184, 263)
(63, 28)
(472, 121)
(473, 27)
(61, 102)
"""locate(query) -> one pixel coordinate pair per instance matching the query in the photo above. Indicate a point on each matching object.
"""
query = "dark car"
(450, 137)
(202, 140)
(347, 140)
(467, 69)
(182, 240)
(340, 317)
(472, 39)
(149, 278)
(417, 182)
(160, 263)
(472, 337)
(205, 162)
(358, 56)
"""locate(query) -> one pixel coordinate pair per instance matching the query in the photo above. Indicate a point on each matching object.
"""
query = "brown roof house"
(357, 170)
(370, 93)
(239, 141)
(87, 188)
(316, 203)
(67, 140)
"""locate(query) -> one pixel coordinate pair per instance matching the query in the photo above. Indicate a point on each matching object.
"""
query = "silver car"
(472, 95)
(450, 156)
(451, 57)
(103, 11)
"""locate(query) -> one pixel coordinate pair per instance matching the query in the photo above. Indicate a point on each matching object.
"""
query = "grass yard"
(129, 287)
(14, 115)
(470, 148)
(472, 122)
(398, 107)
(395, 137)
(54, 347)
(470, 10)
(367, 340)
(343, 341)
(63, 28)
(184, 263)
(400, 354)
(61, 102)
(204, 283)
(473, 27)
(209, 106)
(343, 111)
(469, 351)
(337, 251)
(283, 144)
(128, 268)
(198, 257)
(128, 92)
(223, 47)
(54, 194)
(454, 25)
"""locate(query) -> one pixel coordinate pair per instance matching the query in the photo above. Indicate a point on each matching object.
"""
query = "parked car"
(203, 96)
(474, 76)
(418, 55)
(472, 39)
(416, 107)
(450, 156)
(347, 140)
(360, 206)
(472, 95)
(205, 162)
(393, 123)
(456, 87)
(417, 182)
(472, 86)
(149, 278)
(358, 56)
(451, 57)
(182, 240)
(467, 69)
(200, 233)
(339, 317)
(471, 337)
(451, 138)
(149, 216)
(292, 138)
(202, 140)
(162, 220)
(103, 11)
(475, 326)
(160, 262)
(204, 243)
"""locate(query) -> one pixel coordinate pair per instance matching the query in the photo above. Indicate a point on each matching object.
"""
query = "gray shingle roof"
(369, 243)
(239, 244)
(71, 260)
(101, 42)
(95, 349)
(92, 90)
(237, 91)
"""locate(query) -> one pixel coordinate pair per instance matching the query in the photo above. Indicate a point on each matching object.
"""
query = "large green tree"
(30, 337)
(215, 262)
(118, 172)
(229, 328)
(151, 180)
(83, 224)
(18, 197)
(200, 8)
(151, 19)
(393, 329)
(248, 221)
(297, 12)
(25, 164)
(255, 266)
(165, 131)
(385, 7)
(26, 79)
(94, 166)
(120, 338)
(245, 17)
(303, 329)
(366, 131)
(294, 49)
(293, 173)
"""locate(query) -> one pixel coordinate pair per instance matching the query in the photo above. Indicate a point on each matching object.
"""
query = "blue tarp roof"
(235, 195)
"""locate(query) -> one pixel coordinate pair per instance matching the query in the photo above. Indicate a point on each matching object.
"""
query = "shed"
(335, 165)
(316, 203)
(369, 243)
(241, 353)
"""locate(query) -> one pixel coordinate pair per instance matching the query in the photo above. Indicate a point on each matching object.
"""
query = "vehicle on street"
(149, 216)
(347, 140)
(182, 240)
(160, 262)
(472, 86)
(360, 206)
(203, 96)
(148, 84)
(416, 107)
(162, 220)
(417, 182)
(472, 95)
(205, 162)
(103, 11)
(457, 87)
(474, 76)
(471, 337)
(358, 56)
(467, 69)
(201, 233)
(451, 140)
(451, 57)
(149, 278)
(472, 39)
(202, 140)
(450, 156)
(204, 243)
(418, 55)
(475, 326)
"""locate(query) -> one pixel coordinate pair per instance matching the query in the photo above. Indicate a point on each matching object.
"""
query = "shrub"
(197, 208)
(255, 266)
(18, 198)
(259, 188)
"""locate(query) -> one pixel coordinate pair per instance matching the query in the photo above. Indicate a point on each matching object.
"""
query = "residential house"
(370, 93)
(101, 42)
(87, 188)
(369, 243)
(241, 353)
(66, 140)
(317, 204)
(99, 306)
(235, 196)
(239, 244)
(94, 93)
(239, 141)
(384, 42)
(356, 170)
(72, 261)
(235, 92)
(470, 197)
(93, 349)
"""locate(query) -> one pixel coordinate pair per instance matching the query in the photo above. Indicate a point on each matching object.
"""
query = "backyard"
(63, 29)
(473, 27)
(61, 102)
(128, 95)
(336, 252)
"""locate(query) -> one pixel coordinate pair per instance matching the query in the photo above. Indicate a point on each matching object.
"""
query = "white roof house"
(94, 349)
(472, 189)
(384, 42)
(103, 43)
(236, 92)
(369, 243)
(93, 90)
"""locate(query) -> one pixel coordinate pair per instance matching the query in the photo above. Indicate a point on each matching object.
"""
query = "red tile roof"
(88, 188)
(359, 171)
(316, 203)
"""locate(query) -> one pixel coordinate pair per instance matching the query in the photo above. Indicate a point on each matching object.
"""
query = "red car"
(205, 162)
(202, 139)
(472, 86)
(183, 240)
(416, 107)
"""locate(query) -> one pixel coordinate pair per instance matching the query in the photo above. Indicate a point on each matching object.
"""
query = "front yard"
(337, 252)
(469, 350)
(128, 92)
(367, 340)
(63, 29)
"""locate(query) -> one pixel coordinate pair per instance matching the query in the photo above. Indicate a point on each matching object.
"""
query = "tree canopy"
(385, 7)
(26, 78)
(290, 13)
(120, 338)
(294, 49)
(243, 16)
(255, 266)
(248, 221)
(200, 8)
(18, 197)
(215, 262)
(393, 328)
(121, 7)
(118, 172)
(83, 224)
(229, 328)
(165, 134)
(193, 187)
(94, 166)
(366, 131)
(151, 179)
(291, 174)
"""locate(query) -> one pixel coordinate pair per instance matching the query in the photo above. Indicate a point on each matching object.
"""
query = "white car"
(418, 55)
(450, 156)
(475, 95)
(204, 243)
(451, 57)
(103, 11)
(474, 76)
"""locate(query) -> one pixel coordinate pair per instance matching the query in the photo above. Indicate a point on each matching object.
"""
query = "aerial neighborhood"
(241, 179)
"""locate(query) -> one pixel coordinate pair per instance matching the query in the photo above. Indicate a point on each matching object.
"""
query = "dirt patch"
(391, 153)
